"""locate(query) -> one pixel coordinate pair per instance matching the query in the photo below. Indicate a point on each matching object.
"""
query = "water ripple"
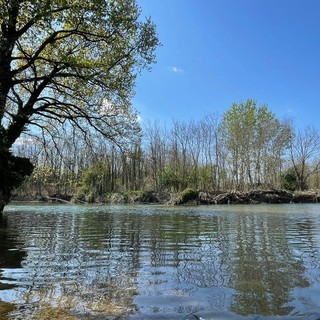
(152, 262)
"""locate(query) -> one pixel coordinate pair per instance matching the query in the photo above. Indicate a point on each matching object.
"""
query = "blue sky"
(216, 52)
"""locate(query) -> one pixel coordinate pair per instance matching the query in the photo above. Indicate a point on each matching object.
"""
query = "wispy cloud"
(289, 110)
(176, 69)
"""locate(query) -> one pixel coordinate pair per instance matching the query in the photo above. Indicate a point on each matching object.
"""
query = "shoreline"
(201, 198)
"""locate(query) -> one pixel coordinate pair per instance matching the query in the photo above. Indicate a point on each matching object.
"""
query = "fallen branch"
(59, 200)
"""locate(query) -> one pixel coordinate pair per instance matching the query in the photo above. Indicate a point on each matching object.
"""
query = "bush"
(188, 194)
(289, 181)
(148, 196)
(89, 197)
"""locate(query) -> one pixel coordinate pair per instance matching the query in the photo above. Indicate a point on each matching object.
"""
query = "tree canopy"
(255, 140)
(66, 61)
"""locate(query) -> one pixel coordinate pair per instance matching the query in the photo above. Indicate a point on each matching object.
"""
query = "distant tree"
(212, 153)
(156, 148)
(255, 141)
(238, 132)
(305, 155)
(68, 61)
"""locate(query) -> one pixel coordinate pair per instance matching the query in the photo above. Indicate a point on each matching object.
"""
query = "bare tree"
(305, 154)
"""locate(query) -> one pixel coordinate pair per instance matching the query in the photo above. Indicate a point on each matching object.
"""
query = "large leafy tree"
(255, 141)
(68, 61)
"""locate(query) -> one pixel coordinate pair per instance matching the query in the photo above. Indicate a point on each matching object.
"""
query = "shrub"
(188, 194)
(148, 196)
(289, 181)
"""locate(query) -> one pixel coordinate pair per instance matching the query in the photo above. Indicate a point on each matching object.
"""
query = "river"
(160, 262)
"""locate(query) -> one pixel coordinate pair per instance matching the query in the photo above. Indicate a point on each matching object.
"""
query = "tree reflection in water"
(265, 271)
(10, 257)
(156, 262)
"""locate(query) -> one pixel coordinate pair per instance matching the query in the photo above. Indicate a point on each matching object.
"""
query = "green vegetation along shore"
(189, 196)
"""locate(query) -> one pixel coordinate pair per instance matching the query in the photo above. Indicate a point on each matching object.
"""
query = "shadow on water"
(144, 262)
(9, 258)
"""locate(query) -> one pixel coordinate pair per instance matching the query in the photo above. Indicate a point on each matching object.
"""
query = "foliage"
(93, 182)
(73, 63)
(148, 196)
(205, 176)
(289, 180)
(256, 141)
(188, 194)
(169, 178)
(13, 171)
(210, 154)
(41, 178)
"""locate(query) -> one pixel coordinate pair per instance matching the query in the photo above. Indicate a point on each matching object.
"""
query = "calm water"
(153, 262)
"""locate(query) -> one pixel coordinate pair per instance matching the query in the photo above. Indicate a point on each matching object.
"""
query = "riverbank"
(258, 196)
(190, 197)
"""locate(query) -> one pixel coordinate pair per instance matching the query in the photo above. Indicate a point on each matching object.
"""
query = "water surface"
(155, 262)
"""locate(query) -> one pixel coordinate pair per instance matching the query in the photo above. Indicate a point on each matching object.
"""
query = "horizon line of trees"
(246, 148)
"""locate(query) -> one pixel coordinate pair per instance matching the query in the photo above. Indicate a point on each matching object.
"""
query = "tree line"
(246, 148)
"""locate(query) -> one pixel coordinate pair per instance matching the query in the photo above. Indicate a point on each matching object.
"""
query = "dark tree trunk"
(13, 171)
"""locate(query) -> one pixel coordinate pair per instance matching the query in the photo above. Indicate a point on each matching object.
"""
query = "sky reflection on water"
(153, 262)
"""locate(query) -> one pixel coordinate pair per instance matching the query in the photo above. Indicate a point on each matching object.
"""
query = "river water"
(158, 262)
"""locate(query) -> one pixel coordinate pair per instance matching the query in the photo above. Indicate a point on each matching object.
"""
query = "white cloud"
(176, 69)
